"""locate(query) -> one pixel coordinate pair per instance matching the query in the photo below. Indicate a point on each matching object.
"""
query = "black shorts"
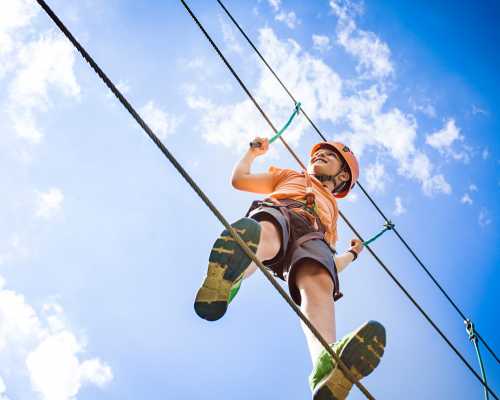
(292, 226)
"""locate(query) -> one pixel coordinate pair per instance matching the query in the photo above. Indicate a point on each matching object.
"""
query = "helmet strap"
(330, 178)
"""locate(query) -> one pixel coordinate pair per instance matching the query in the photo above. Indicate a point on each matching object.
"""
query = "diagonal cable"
(432, 323)
(426, 270)
(200, 193)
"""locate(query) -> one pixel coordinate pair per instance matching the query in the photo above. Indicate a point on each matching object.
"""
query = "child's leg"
(269, 245)
(316, 287)
(228, 265)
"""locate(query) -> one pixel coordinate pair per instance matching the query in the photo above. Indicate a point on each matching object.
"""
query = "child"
(293, 231)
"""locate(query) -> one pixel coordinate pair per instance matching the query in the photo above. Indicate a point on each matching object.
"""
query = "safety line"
(469, 326)
(198, 23)
(201, 194)
(426, 270)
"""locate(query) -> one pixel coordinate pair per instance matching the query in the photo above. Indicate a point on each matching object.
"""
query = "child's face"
(324, 162)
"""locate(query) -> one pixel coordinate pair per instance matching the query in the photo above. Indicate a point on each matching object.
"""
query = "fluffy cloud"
(359, 112)
(484, 218)
(374, 176)
(42, 65)
(372, 53)
(55, 371)
(321, 43)
(444, 139)
(16, 14)
(289, 18)
(49, 203)
(275, 4)
(41, 348)
(160, 122)
(466, 199)
(234, 124)
(3, 390)
(229, 38)
(399, 209)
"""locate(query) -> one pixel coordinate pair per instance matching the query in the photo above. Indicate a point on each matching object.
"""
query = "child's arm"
(348, 257)
(243, 179)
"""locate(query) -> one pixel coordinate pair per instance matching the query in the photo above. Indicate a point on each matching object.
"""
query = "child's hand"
(357, 246)
(259, 146)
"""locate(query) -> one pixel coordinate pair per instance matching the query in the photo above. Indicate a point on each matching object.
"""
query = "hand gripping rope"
(282, 130)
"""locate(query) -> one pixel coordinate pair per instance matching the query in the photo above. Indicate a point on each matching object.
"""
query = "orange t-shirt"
(290, 184)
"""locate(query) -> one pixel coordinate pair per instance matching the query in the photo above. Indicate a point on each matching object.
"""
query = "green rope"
(387, 227)
(280, 132)
(469, 326)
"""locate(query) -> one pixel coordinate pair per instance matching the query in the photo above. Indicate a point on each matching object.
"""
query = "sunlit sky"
(103, 244)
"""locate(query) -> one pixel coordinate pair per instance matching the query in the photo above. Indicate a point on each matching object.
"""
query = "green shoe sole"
(361, 355)
(226, 265)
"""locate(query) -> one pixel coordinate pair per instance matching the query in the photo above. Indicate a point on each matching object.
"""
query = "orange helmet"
(348, 157)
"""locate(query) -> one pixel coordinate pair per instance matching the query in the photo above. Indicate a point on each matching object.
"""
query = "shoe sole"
(226, 265)
(361, 355)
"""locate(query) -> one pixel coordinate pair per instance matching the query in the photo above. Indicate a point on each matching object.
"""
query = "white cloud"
(55, 371)
(445, 137)
(16, 14)
(289, 18)
(473, 187)
(160, 122)
(399, 209)
(424, 106)
(45, 353)
(375, 177)
(41, 65)
(3, 390)
(466, 199)
(234, 124)
(229, 38)
(49, 203)
(94, 371)
(275, 4)
(324, 96)
(484, 218)
(486, 153)
(372, 53)
(420, 167)
(321, 43)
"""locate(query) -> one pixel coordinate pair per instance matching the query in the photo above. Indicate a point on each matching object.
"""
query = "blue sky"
(103, 245)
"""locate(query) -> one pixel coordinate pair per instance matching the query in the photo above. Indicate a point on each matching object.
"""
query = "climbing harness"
(282, 130)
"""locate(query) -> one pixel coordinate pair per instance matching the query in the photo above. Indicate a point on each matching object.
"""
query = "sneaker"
(360, 351)
(226, 265)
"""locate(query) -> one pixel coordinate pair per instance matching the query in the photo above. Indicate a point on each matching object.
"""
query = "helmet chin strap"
(330, 178)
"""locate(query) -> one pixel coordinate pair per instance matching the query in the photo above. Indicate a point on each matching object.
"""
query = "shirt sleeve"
(279, 175)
